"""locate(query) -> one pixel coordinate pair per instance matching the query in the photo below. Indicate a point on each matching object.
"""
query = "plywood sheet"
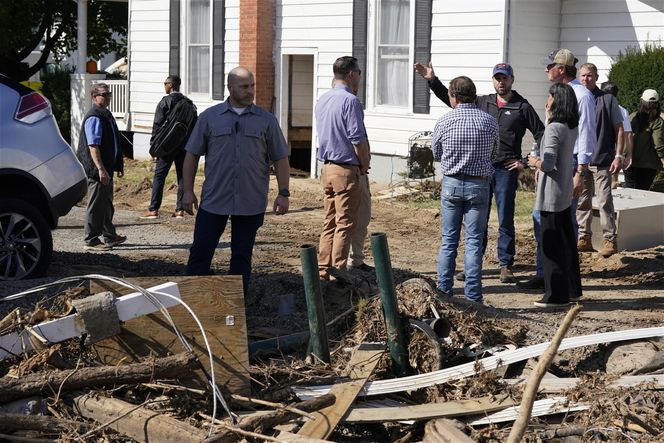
(217, 301)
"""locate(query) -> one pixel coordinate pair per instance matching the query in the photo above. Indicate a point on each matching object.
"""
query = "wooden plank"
(553, 385)
(294, 438)
(362, 364)
(60, 329)
(139, 423)
(486, 364)
(556, 405)
(218, 303)
(444, 431)
(427, 411)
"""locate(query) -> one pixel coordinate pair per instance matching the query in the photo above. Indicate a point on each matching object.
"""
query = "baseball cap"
(560, 57)
(503, 68)
(650, 95)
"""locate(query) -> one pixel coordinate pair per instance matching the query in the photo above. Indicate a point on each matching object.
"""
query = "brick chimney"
(257, 23)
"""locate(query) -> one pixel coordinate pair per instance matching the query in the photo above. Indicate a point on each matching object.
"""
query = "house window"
(198, 46)
(392, 52)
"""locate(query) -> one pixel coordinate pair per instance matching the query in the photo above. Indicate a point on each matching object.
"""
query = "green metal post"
(396, 336)
(315, 309)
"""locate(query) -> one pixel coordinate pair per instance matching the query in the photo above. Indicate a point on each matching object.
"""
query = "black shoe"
(442, 295)
(97, 245)
(506, 275)
(460, 276)
(117, 240)
(533, 283)
(544, 304)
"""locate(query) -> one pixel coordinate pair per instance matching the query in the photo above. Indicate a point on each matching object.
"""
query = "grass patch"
(522, 210)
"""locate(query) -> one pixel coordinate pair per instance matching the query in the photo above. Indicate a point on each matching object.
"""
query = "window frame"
(370, 79)
(203, 96)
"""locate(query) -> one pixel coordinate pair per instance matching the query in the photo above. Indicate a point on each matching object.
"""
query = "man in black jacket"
(100, 154)
(163, 164)
(514, 115)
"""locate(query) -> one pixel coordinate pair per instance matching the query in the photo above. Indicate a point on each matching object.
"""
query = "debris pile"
(62, 376)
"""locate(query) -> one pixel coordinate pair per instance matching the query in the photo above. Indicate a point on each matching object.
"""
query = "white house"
(291, 45)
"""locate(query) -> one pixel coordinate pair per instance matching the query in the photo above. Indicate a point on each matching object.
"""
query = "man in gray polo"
(238, 140)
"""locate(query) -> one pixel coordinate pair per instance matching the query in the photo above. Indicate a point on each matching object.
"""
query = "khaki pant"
(356, 257)
(341, 198)
(597, 181)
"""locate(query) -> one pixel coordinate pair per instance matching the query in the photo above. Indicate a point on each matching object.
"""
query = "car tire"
(26, 243)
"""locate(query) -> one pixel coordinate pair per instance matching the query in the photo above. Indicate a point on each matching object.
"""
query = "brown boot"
(585, 244)
(506, 275)
(610, 248)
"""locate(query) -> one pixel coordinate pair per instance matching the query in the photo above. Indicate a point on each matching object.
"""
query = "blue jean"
(160, 172)
(207, 231)
(503, 187)
(464, 200)
(537, 227)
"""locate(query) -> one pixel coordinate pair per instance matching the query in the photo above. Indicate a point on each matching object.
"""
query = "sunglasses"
(104, 94)
(550, 66)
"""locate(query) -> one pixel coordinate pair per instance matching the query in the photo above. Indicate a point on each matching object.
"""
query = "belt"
(477, 177)
(330, 162)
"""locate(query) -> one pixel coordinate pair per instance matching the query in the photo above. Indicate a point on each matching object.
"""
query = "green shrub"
(58, 91)
(637, 70)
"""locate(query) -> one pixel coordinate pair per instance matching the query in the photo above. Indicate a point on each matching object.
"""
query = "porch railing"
(119, 105)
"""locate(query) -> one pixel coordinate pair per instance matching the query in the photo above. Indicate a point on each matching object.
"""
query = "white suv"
(40, 180)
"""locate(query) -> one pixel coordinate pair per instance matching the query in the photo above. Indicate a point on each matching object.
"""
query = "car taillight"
(32, 108)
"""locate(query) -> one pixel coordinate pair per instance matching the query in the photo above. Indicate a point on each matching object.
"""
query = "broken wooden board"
(553, 385)
(362, 364)
(444, 431)
(550, 406)
(139, 423)
(217, 301)
(60, 329)
(427, 411)
(419, 381)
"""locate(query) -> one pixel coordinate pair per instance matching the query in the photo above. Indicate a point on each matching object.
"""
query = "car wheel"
(26, 243)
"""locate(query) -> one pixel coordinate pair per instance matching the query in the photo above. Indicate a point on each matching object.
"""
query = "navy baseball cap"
(503, 68)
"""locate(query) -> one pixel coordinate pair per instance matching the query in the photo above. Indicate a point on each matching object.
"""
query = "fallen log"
(139, 423)
(263, 422)
(21, 422)
(51, 382)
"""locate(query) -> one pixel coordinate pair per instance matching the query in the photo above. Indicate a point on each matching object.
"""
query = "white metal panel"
(596, 31)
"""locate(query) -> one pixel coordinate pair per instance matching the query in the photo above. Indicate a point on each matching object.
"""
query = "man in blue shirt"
(465, 141)
(344, 151)
(239, 141)
(100, 154)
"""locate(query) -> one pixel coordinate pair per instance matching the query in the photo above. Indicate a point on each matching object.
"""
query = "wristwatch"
(284, 192)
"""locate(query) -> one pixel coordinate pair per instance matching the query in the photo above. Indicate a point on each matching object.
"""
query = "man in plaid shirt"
(465, 141)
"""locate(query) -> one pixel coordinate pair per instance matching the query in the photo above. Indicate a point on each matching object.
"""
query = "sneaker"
(179, 213)
(585, 244)
(117, 240)
(610, 248)
(363, 267)
(533, 283)
(460, 276)
(149, 215)
(506, 275)
(543, 304)
(97, 245)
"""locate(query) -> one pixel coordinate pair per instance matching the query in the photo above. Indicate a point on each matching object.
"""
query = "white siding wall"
(302, 91)
(467, 42)
(149, 34)
(596, 30)
(534, 31)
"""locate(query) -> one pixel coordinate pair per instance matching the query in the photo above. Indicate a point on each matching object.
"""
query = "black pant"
(160, 172)
(209, 228)
(99, 213)
(639, 178)
(560, 257)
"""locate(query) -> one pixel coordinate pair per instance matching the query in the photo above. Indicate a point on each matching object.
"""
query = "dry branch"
(529, 394)
(47, 383)
(21, 422)
(263, 422)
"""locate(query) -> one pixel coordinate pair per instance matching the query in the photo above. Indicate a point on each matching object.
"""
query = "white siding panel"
(150, 16)
(451, 7)
(534, 32)
(596, 31)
